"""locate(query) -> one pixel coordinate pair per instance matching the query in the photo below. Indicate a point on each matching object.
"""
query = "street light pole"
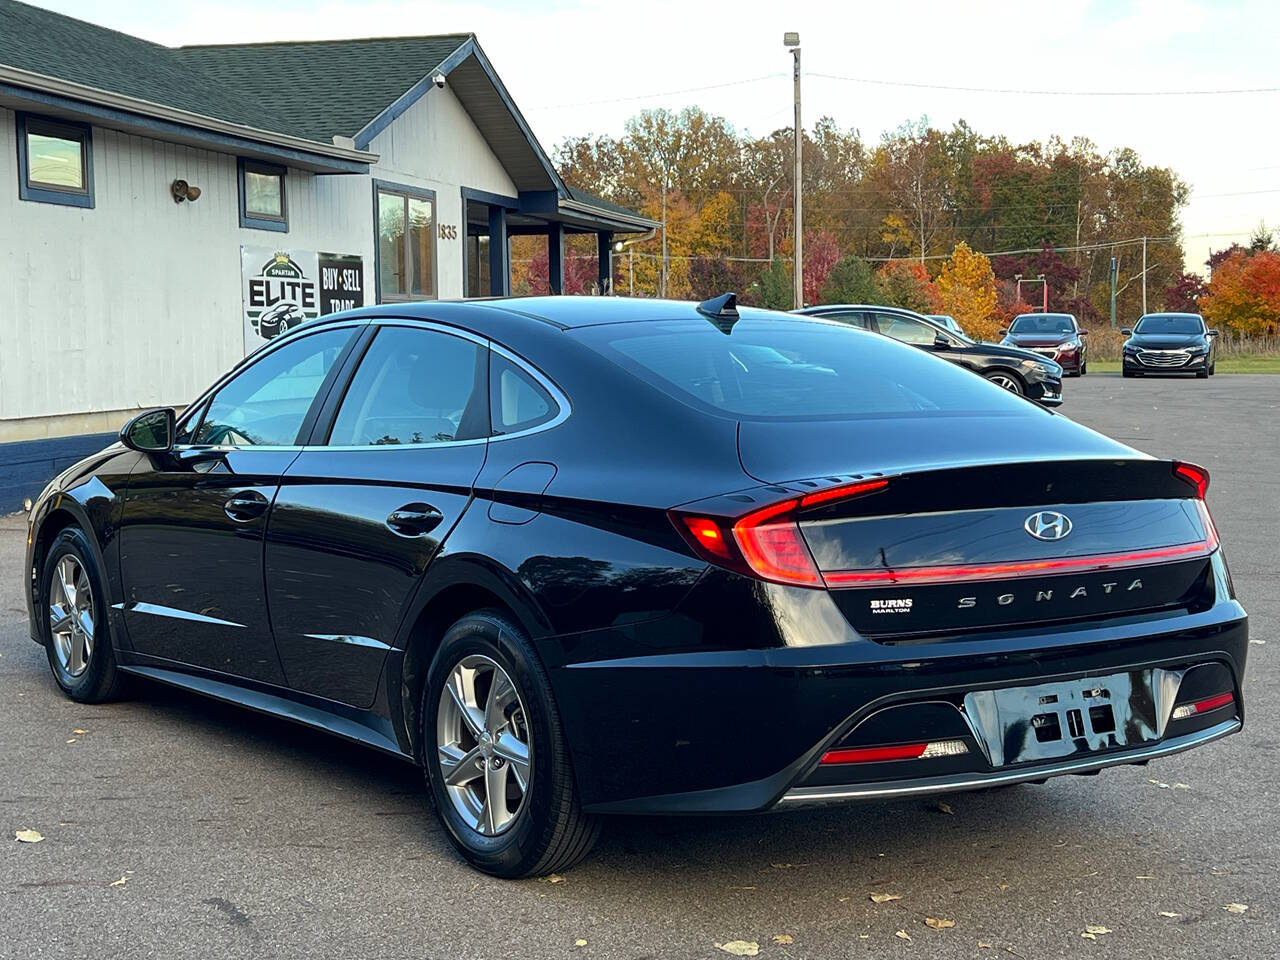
(792, 40)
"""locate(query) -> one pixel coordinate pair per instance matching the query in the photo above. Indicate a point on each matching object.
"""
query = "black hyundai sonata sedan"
(591, 555)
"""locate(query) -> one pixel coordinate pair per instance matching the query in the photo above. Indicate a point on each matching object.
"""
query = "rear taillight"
(904, 751)
(1187, 710)
(767, 542)
(1198, 477)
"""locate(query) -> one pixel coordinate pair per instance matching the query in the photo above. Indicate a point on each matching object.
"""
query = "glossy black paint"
(1069, 348)
(682, 686)
(1194, 351)
(1040, 377)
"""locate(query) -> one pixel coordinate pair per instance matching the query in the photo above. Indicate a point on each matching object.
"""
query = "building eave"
(23, 89)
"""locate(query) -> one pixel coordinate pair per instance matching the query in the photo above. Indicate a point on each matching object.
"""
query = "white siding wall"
(137, 302)
(435, 145)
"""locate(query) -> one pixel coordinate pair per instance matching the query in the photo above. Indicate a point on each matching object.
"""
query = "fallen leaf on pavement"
(119, 883)
(1235, 908)
(1258, 643)
(1169, 914)
(579, 943)
(782, 939)
(1096, 929)
(740, 948)
(78, 731)
(983, 945)
(903, 935)
(938, 924)
(885, 897)
(944, 808)
(28, 836)
(554, 878)
(1217, 871)
(1088, 936)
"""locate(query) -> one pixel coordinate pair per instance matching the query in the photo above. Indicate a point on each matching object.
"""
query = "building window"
(263, 205)
(55, 161)
(406, 223)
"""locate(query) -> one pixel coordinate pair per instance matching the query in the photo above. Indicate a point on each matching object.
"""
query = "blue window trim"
(40, 193)
(421, 193)
(256, 221)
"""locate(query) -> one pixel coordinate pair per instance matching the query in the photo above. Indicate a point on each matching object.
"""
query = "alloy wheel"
(1005, 381)
(484, 745)
(71, 615)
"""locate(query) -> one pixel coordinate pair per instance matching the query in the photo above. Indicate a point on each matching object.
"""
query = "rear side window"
(771, 369)
(414, 386)
(516, 400)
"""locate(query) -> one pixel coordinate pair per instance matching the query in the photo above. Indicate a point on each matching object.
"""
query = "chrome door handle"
(245, 506)
(414, 519)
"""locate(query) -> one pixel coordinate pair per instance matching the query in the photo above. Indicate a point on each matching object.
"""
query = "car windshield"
(770, 369)
(1043, 323)
(1170, 323)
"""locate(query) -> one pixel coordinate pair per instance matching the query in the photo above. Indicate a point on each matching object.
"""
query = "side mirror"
(1003, 332)
(941, 343)
(1213, 333)
(149, 432)
(1082, 333)
(1126, 332)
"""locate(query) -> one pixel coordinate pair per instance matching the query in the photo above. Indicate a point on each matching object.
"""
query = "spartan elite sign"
(280, 292)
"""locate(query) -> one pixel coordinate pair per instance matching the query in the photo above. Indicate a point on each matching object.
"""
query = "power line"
(664, 93)
(875, 81)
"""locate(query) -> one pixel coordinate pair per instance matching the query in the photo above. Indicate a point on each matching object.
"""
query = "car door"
(193, 520)
(364, 507)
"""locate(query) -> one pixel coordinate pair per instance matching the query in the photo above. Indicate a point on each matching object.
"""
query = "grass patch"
(1246, 363)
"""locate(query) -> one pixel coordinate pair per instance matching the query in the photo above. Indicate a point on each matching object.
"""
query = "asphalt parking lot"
(178, 827)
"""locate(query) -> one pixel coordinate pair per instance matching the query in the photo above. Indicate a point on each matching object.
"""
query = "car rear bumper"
(746, 730)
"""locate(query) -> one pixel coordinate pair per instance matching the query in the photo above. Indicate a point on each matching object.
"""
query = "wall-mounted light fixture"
(181, 190)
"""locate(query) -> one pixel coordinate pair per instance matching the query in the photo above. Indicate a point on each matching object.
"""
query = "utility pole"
(1115, 271)
(792, 40)
(662, 281)
(1144, 276)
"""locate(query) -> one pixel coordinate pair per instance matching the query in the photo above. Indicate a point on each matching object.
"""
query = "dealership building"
(165, 210)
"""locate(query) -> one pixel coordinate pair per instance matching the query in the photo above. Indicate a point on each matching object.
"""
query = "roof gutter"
(118, 101)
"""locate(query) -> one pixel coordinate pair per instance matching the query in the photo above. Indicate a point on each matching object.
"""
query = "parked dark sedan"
(578, 556)
(1019, 371)
(1170, 343)
(1054, 335)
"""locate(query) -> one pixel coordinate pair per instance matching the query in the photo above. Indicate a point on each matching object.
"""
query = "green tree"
(775, 287)
(851, 281)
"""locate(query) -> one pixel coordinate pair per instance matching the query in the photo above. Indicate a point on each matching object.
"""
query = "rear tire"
(74, 621)
(499, 826)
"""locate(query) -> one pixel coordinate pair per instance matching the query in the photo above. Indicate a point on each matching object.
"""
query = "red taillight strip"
(843, 492)
(907, 751)
(1188, 710)
(1020, 568)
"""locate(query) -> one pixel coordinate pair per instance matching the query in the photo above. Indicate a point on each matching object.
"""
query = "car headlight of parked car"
(1036, 370)
(1198, 348)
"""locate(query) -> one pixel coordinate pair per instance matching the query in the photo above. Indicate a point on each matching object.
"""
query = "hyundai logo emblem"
(1047, 525)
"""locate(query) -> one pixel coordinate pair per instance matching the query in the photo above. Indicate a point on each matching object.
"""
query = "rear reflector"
(1203, 706)
(906, 751)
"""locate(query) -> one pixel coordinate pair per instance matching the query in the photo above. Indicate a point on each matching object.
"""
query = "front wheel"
(1006, 381)
(495, 754)
(76, 634)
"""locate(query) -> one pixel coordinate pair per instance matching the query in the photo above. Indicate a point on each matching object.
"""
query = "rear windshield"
(1043, 323)
(1170, 323)
(796, 369)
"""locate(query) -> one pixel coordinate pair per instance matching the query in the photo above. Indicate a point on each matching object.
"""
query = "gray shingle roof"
(324, 88)
(308, 90)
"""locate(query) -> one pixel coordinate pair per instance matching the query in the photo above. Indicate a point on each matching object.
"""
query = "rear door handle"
(245, 506)
(414, 519)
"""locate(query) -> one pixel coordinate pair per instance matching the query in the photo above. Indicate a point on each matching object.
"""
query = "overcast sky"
(585, 67)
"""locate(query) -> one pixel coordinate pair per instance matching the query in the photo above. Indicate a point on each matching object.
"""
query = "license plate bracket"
(1061, 719)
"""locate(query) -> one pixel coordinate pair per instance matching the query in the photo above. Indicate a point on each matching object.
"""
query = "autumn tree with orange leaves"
(1244, 294)
(967, 291)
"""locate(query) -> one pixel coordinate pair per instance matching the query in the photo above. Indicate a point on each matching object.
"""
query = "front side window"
(55, 162)
(406, 243)
(768, 369)
(906, 329)
(414, 386)
(262, 196)
(265, 405)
